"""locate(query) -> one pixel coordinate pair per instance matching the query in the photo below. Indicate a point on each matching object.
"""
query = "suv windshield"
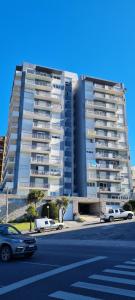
(8, 230)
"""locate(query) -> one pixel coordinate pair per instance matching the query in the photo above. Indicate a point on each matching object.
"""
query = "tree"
(127, 206)
(62, 203)
(31, 214)
(53, 210)
(35, 196)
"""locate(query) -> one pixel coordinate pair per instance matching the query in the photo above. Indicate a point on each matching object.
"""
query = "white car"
(118, 213)
(47, 224)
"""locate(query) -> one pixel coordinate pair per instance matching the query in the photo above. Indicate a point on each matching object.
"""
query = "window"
(121, 210)
(116, 211)
(111, 211)
(92, 184)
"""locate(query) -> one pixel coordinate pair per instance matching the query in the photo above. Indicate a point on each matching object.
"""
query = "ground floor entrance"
(88, 208)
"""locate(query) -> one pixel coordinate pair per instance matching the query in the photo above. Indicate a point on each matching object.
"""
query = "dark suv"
(14, 243)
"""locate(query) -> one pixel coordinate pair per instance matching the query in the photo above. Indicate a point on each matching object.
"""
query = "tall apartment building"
(66, 135)
(2, 152)
(102, 153)
(39, 150)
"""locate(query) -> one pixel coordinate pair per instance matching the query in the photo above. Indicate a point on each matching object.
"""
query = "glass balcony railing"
(47, 173)
(41, 136)
(39, 185)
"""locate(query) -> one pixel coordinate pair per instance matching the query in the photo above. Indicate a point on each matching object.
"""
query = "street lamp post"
(7, 205)
(99, 205)
(48, 211)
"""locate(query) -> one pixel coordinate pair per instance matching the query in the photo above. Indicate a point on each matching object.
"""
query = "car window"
(6, 230)
(121, 210)
(52, 222)
(46, 222)
(12, 230)
(110, 211)
(116, 210)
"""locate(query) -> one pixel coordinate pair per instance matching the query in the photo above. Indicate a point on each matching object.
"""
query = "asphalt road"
(75, 272)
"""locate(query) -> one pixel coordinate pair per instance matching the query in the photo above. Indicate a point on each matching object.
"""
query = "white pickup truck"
(47, 224)
(118, 213)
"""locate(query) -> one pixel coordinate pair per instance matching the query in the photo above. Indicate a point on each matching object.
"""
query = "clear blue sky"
(94, 37)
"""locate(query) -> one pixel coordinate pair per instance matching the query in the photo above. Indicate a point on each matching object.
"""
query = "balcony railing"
(47, 173)
(111, 190)
(46, 126)
(45, 160)
(40, 186)
(41, 136)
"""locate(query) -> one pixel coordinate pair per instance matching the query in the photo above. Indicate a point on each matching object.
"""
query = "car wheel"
(6, 253)
(129, 216)
(60, 227)
(111, 219)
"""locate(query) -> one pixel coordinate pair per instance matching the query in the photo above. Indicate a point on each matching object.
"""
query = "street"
(97, 262)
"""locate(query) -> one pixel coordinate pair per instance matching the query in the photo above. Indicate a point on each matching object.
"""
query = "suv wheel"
(111, 219)
(129, 216)
(5, 253)
(60, 227)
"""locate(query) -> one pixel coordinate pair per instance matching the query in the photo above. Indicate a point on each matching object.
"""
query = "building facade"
(40, 147)
(66, 136)
(2, 154)
(102, 153)
(133, 179)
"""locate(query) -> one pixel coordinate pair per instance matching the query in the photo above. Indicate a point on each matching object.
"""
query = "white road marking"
(113, 279)
(71, 296)
(130, 262)
(105, 289)
(125, 267)
(40, 264)
(38, 277)
(119, 272)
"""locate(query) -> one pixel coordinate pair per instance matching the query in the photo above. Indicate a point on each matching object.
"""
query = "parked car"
(118, 213)
(14, 243)
(47, 224)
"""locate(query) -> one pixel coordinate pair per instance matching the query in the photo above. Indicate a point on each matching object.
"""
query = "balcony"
(106, 190)
(40, 149)
(93, 115)
(48, 127)
(111, 99)
(106, 137)
(114, 127)
(106, 146)
(104, 89)
(37, 186)
(45, 173)
(111, 157)
(40, 137)
(49, 107)
(41, 116)
(90, 104)
(42, 76)
(108, 168)
(104, 178)
(45, 161)
(48, 97)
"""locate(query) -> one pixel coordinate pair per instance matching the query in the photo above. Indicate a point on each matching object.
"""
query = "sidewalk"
(88, 221)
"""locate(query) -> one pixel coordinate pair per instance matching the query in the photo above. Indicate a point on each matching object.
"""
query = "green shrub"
(127, 206)
(132, 202)
(53, 210)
